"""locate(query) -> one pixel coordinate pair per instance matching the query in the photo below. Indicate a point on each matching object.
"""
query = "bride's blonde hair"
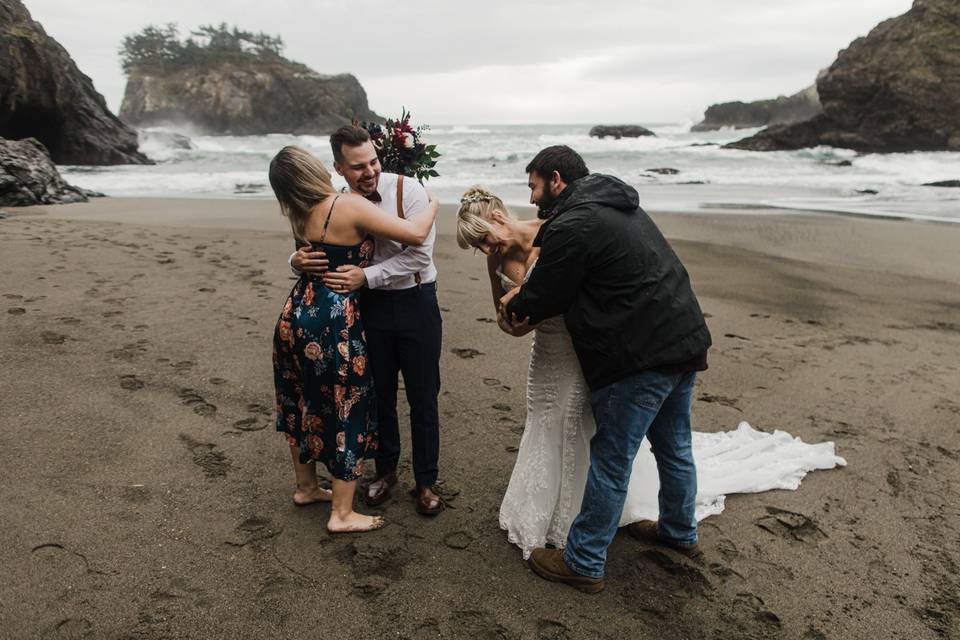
(473, 218)
(300, 182)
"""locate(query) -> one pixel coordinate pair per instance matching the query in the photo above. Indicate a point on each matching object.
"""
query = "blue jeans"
(650, 404)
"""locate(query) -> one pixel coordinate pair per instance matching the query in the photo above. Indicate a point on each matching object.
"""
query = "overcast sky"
(560, 61)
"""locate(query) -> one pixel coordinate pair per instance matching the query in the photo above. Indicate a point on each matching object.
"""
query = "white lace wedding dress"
(547, 483)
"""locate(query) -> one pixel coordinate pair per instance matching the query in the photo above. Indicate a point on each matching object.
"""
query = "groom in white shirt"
(401, 319)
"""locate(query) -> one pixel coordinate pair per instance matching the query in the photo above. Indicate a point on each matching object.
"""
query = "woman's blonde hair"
(300, 182)
(473, 218)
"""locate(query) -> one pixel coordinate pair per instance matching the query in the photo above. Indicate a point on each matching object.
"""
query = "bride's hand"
(515, 329)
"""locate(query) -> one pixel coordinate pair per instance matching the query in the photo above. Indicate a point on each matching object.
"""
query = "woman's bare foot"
(311, 495)
(353, 523)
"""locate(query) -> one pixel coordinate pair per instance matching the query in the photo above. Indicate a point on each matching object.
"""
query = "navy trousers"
(404, 332)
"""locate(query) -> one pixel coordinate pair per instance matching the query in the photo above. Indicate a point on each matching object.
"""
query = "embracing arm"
(412, 232)
(413, 259)
(559, 274)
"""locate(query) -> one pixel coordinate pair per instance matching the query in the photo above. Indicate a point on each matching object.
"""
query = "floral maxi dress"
(325, 396)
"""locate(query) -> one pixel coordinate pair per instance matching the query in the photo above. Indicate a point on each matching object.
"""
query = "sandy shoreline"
(145, 495)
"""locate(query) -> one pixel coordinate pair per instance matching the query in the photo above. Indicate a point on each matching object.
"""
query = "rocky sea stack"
(44, 95)
(620, 131)
(897, 89)
(223, 81)
(762, 113)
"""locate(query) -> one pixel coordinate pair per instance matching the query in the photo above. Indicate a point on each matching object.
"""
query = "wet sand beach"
(146, 494)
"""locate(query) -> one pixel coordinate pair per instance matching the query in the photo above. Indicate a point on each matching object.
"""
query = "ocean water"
(707, 178)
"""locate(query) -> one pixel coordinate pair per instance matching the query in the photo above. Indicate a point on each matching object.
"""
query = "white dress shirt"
(393, 267)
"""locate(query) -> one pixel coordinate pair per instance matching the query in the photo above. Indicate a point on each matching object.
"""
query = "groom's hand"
(307, 261)
(348, 277)
(502, 308)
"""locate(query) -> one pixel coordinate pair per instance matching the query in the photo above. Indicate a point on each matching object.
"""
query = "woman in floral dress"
(325, 394)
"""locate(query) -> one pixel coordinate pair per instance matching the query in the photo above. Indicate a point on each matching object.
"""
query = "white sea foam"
(496, 155)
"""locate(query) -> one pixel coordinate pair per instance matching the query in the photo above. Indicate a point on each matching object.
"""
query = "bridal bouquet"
(400, 148)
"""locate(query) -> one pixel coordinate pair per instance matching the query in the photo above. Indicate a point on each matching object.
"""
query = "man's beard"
(546, 205)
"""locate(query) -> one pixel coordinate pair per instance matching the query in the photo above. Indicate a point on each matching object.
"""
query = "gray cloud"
(431, 53)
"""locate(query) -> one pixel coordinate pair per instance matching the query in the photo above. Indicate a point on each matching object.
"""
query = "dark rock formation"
(44, 96)
(28, 176)
(897, 89)
(664, 171)
(744, 115)
(620, 131)
(943, 183)
(245, 98)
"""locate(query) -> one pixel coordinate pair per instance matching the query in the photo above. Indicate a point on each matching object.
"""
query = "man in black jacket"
(640, 338)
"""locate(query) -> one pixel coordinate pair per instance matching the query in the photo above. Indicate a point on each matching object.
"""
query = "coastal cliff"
(223, 81)
(245, 99)
(801, 106)
(43, 95)
(897, 89)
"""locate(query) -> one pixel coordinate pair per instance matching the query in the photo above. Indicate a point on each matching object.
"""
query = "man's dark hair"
(559, 158)
(348, 134)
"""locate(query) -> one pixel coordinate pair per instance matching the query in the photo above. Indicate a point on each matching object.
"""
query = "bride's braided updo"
(473, 218)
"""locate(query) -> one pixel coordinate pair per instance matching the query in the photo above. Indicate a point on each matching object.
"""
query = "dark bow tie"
(373, 197)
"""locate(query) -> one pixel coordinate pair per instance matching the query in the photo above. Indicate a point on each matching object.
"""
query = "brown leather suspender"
(416, 276)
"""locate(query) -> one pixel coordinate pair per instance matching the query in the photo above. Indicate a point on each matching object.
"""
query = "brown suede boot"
(646, 531)
(378, 491)
(550, 565)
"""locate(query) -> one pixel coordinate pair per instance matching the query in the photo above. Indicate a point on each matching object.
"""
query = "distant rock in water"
(897, 89)
(619, 131)
(943, 183)
(164, 139)
(664, 171)
(745, 115)
(28, 176)
(232, 82)
(44, 95)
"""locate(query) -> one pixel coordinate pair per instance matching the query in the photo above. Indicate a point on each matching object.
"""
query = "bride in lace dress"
(547, 483)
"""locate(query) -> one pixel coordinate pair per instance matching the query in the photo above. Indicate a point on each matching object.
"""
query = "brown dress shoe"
(428, 502)
(378, 491)
(550, 565)
(646, 531)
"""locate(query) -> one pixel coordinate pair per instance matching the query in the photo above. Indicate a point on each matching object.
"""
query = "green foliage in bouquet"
(401, 150)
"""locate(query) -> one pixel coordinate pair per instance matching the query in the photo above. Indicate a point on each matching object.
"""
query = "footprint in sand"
(50, 337)
(70, 320)
(491, 382)
(250, 424)
(191, 397)
(71, 628)
(552, 630)
(466, 353)
(207, 456)
(502, 407)
(487, 320)
(16, 311)
(13, 296)
(131, 382)
(792, 526)
(218, 381)
(183, 365)
(458, 540)
(254, 529)
(261, 409)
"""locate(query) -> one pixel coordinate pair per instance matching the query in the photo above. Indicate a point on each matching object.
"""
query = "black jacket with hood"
(624, 294)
